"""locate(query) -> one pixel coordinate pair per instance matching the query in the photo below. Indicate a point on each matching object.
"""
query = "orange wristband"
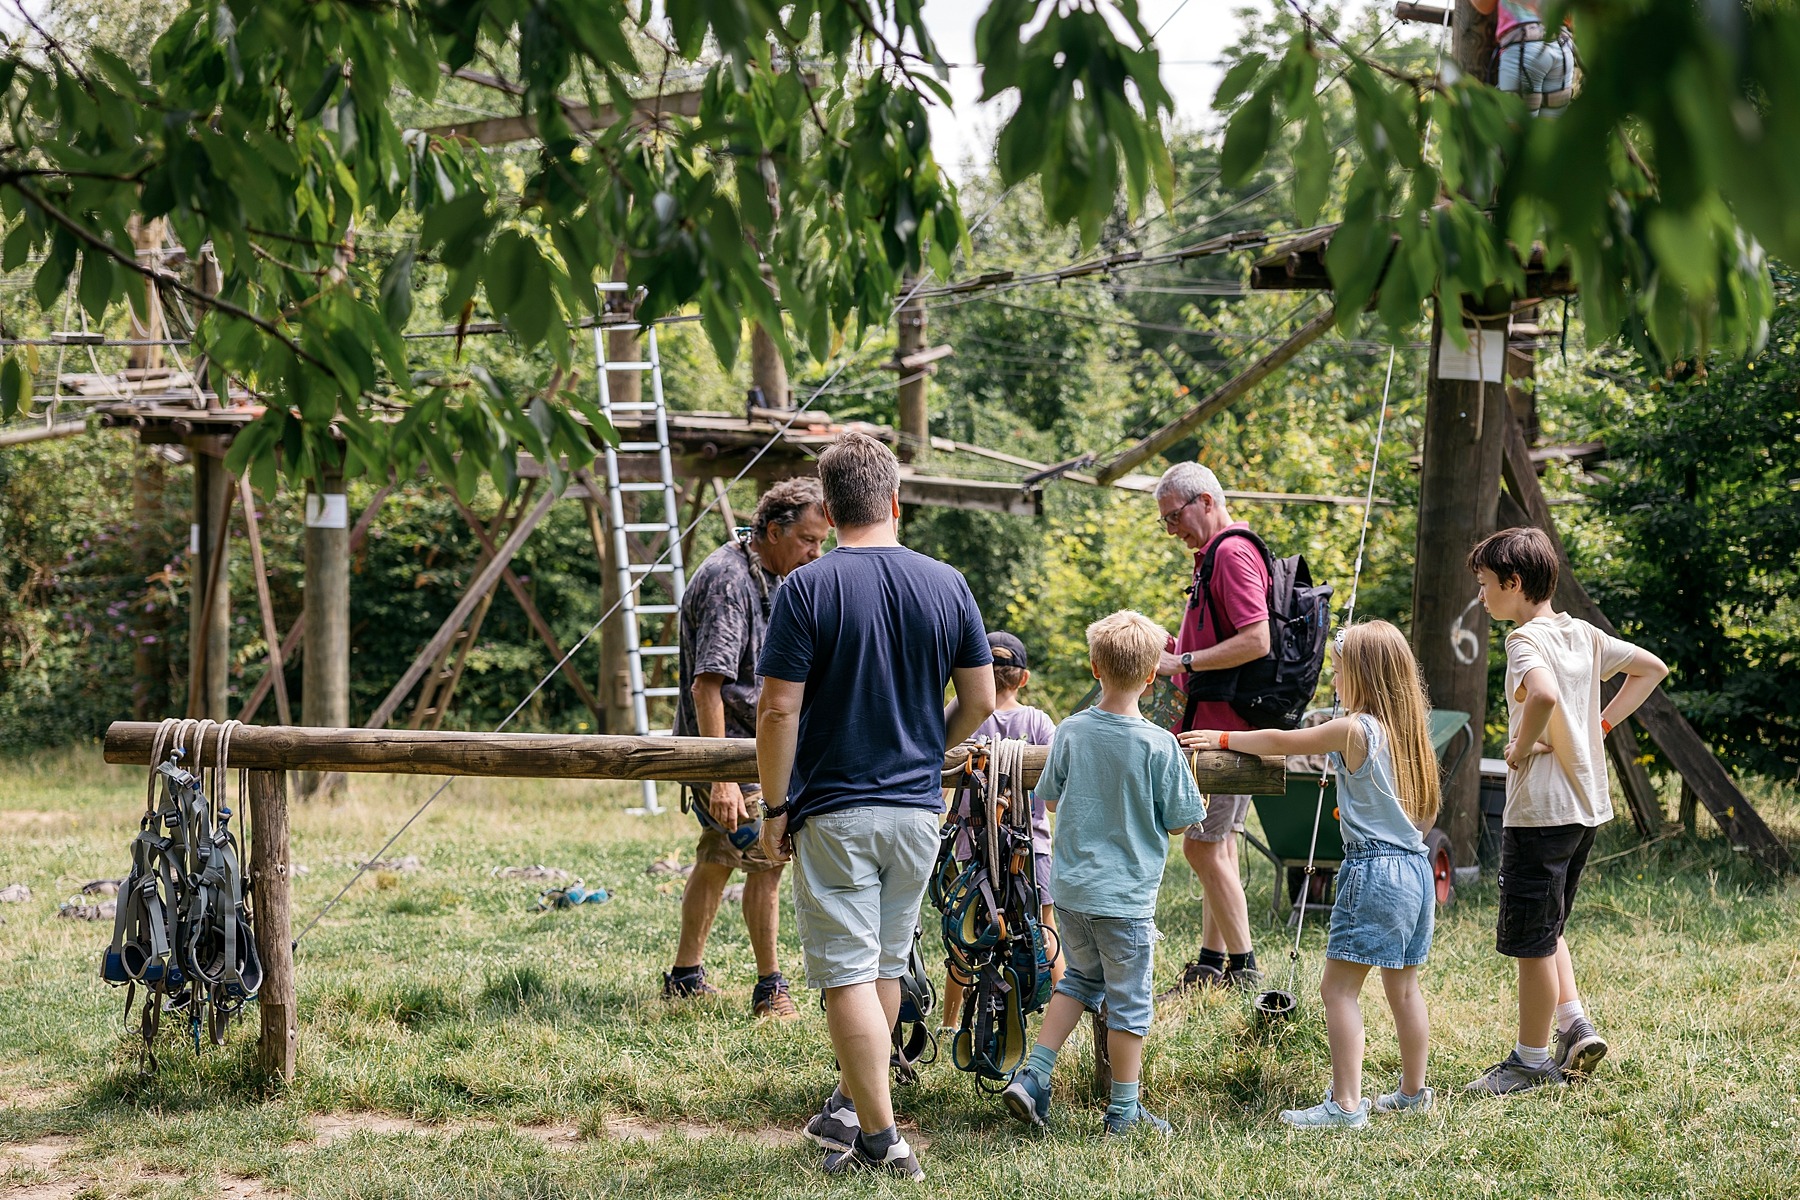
(1605, 726)
(1224, 740)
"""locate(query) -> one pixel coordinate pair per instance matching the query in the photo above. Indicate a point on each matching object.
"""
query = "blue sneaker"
(1139, 1119)
(1028, 1098)
(1328, 1115)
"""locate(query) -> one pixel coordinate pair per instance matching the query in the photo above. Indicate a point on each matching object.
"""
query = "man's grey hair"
(860, 476)
(1187, 480)
(784, 504)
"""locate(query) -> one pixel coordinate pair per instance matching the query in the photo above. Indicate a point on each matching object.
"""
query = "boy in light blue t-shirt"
(1119, 786)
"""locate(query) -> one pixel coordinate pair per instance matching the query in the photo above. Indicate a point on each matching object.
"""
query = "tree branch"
(164, 278)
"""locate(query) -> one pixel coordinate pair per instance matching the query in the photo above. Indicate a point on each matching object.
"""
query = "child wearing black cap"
(1012, 719)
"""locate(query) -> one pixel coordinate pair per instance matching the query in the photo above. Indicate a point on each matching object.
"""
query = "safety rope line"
(1362, 540)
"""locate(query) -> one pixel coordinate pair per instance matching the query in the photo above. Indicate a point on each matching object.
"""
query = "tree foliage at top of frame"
(1661, 189)
(267, 130)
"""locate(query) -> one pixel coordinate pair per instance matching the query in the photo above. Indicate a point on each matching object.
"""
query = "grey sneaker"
(1579, 1049)
(1328, 1115)
(1244, 979)
(1512, 1075)
(1028, 1098)
(834, 1126)
(1423, 1100)
(1141, 1118)
(898, 1160)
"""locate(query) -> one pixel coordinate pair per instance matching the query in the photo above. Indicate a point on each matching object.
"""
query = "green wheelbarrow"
(1287, 823)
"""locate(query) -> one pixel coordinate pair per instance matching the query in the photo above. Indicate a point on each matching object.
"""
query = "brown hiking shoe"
(771, 999)
(1194, 976)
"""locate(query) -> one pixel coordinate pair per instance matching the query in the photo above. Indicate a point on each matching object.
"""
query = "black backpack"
(1271, 692)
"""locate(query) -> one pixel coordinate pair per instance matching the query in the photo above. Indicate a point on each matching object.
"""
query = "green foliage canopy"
(268, 131)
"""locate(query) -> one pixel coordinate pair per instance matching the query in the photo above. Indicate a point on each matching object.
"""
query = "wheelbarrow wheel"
(1443, 866)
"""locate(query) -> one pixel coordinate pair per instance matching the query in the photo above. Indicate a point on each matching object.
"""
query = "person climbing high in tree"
(1532, 63)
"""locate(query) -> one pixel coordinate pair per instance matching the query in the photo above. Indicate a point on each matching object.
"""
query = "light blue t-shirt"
(1368, 800)
(1121, 786)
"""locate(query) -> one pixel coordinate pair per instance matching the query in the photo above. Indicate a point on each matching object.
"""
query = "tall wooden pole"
(325, 668)
(915, 425)
(149, 650)
(1459, 489)
(768, 369)
(209, 582)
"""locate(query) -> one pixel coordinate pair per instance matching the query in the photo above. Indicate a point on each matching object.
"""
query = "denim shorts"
(859, 875)
(1386, 903)
(1110, 959)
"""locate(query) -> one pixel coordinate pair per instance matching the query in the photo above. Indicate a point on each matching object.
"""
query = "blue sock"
(1041, 1063)
(1124, 1099)
(877, 1144)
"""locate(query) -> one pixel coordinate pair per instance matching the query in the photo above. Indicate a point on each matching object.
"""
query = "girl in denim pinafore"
(1387, 792)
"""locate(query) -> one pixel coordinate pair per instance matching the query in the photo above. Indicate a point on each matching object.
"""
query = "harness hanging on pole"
(182, 930)
(994, 942)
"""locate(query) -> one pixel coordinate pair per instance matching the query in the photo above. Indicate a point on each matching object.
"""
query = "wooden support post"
(1459, 488)
(325, 670)
(296, 634)
(271, 633)
(209, 611)
(1640, 793)
(1701, 772)
(1218, 401)
(439, 688)
(149, 627)
(270, 863)
(482, 584)
(1103, 1079)
(768, 369)
(570, 671)
(915, 418)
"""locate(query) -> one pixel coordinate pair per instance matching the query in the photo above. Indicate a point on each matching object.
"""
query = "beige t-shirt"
(1569, 786)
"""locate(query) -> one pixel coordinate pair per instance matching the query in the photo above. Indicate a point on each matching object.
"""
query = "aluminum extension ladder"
(669, 567)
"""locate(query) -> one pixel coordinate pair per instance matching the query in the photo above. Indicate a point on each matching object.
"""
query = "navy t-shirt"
(873, 632)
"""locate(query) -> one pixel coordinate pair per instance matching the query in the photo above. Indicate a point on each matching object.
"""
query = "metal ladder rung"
(630, 406)
(663, 691)
(652, 568)
(642, 487)
(646, 527)
(651, 610)
(637, 447)
(615, 365)
(662, 650)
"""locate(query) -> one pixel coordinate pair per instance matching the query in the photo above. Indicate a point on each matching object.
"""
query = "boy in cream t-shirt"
(1556, 794)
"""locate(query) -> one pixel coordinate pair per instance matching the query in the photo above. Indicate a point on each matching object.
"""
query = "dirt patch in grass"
(637, 1129)
(331, 1128)
(39, 1152)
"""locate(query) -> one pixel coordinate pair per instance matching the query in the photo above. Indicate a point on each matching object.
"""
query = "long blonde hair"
(1378, 675)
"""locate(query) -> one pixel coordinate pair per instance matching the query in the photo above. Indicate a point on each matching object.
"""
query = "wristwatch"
(1187, 660)
(780, 811)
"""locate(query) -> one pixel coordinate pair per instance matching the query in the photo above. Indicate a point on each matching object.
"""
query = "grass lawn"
(454, 1043)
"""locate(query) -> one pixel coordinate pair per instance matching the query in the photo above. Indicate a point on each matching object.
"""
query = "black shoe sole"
(1022, 1108)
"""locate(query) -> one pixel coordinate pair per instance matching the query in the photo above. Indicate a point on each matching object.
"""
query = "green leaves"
(15, 387)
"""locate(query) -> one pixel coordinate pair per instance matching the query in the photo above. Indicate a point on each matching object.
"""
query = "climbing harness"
(914, 1043)
(1273, 1004)
(994, 943)
(182, 929)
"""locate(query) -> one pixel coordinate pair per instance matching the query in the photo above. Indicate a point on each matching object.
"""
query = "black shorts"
(1539, 868)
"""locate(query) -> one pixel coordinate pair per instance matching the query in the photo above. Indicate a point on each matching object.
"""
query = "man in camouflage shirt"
(724, 617)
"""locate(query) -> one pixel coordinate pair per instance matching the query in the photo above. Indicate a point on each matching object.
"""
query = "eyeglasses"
(1172, 519)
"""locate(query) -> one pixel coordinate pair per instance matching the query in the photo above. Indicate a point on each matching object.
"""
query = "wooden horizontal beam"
(1222, 398)
(42, 433)
(923, 358)
(980, 495)
(568, 756)
(1424, 14)
(499, 131)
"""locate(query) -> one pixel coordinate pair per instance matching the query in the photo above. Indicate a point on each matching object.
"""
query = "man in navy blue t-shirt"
(850, 738)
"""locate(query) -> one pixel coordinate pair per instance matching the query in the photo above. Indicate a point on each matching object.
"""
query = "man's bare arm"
(974, 703)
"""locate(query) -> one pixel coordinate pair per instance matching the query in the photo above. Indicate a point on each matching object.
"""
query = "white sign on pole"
(1484, 361)
(327, 510)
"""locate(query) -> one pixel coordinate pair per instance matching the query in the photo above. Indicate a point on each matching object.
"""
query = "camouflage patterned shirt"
(724, 618)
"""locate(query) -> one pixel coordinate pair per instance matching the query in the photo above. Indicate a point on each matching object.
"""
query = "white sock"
(1568, 1014)
(1532, 1056)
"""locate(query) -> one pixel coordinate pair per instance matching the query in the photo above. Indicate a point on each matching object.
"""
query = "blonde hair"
(1377, 674)
(1125, 647)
